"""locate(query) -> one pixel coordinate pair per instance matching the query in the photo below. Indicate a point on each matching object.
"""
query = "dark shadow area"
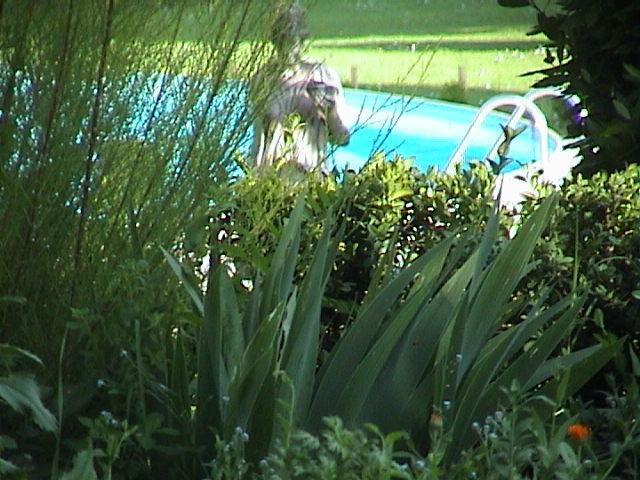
(353, 18)
(393, 45)
(469, 95)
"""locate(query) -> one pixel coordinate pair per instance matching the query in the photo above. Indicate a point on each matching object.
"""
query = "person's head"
(289, 29)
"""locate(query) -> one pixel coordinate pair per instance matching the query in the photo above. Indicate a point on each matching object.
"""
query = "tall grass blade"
(501, 279)
(140, 372)
(179, 378)
(183, 276)
(55, 464)
(256, 365)
(279, 278)
(302, 344)
(576, 369)
(351, 349)
(213, 379)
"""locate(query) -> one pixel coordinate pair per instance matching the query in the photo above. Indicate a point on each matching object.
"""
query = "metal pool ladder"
(522, 104)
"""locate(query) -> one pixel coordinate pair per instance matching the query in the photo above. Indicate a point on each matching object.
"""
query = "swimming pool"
(427, 130)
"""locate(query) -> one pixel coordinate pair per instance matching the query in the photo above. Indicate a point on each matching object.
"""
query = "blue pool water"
(428, 130)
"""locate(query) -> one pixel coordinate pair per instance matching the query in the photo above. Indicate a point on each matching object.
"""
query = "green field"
(464, 50)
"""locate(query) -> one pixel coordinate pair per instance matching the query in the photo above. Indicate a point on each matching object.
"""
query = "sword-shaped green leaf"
(356, 343)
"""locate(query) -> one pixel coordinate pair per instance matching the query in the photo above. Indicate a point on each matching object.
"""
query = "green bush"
(388, 208)
(394, 204)
(594, 239)
(579, 442)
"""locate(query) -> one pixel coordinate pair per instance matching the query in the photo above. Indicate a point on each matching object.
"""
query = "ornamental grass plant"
(428, 339)
(111, 132)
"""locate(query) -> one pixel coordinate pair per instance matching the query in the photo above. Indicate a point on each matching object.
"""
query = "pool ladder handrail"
(523, 104)
(518, 113)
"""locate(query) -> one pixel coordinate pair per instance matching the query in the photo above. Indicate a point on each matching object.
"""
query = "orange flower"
(436, 420)
(578, 431)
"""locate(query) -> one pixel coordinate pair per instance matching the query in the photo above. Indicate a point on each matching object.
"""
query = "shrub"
(387, 208)
(111, 131)
(338, 453)
(578, 442)
(594, 239)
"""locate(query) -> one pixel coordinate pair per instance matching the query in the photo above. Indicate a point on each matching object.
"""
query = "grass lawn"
(463, 50)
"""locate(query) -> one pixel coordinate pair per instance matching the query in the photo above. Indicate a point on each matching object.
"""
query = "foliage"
(159, 383)
(139, 379)
(594, 239)
(595, 51)
(258, 350)
(105, 151)
(451, 327)
(338, 453)
(21, 394)
(520, 443)
(387, 208)
(257, 355)
(602, 236)
(517, 443)
(111, 132)
(388, 203)
(109, 435)
(82, 467)
(513, 442)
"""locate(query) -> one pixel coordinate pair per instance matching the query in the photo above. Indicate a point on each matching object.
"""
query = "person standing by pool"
(307, 90)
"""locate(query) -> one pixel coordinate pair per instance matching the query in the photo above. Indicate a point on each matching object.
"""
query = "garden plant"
(168, 312)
